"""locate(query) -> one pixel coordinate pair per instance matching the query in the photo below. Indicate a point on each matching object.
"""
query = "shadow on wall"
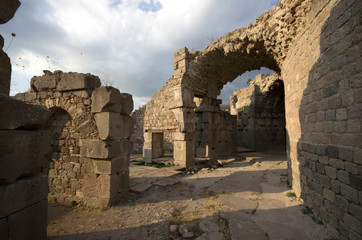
(330, 146)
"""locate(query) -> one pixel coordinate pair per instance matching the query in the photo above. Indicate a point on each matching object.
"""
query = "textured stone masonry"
(91, 130)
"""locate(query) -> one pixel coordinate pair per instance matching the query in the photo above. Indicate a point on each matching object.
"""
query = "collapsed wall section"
(91, 130)
(260, 113)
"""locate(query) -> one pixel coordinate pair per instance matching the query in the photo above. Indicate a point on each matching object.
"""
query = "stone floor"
(245, 199)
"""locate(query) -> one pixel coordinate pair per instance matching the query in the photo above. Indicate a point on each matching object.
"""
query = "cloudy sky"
(129, 44)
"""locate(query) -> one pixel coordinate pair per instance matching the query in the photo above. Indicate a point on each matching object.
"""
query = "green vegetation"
(307, 210)
(291, 195)
(157, 165)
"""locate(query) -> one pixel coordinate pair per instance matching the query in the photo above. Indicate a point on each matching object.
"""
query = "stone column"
(108, 158)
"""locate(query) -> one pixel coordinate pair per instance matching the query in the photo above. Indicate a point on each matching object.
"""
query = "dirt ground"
(247, 198)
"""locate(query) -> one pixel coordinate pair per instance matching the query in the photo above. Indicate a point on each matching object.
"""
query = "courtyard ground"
(247, 198)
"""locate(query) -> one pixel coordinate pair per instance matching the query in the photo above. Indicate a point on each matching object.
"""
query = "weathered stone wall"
(215, 130)
(91, 130)
(315, 46)
(323, 79)
(137, 136)
(24, 147)
(260, 113)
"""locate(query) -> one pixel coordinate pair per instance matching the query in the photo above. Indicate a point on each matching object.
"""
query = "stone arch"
(95, 148)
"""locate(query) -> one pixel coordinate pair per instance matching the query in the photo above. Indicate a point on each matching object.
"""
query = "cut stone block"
(44, 83)
(111, 187)
(182, 98)
(21, 115)
(29, 223)
(22, 193)
(5, 73)
(4, 232)
(127, 103)
(113, 125)
(106, 99)
(23, 153)
(8, 9)
(77, 81)
(111, 166)
(105, 149)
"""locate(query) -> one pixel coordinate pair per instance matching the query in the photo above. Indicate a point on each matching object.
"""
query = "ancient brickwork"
(260, 113)
(91, 130)
(324, 120)
(24, 147)
(315, 46)
(137, 136)
(215, 130)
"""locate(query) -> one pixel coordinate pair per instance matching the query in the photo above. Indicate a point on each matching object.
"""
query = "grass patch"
(307, 210)
(288, 184)
(197, 229)
(214, 209)
(291, 195)
(157, 165)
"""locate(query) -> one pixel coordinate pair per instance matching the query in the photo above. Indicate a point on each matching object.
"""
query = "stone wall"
(260, 113)
(91, 130)
(24, 147)
(137, 136)
(215, 130)
(323, 80)
(315, 46)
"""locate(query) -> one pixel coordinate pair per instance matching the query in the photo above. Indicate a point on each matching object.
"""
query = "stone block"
(30, 222)
(4, 232)
(356, 211)
(29, 96)
(44, 83)
(114, 125)
(111, 166)
(349, 193)
(343, 176)
(5, 73)
(127, 103)
(352, 222)
(7, 10)
(105, 149)
(21, 115)
(336, 163)
(78, 81)
(106, 186)
(22, 193)
(356, 181)
(180, 136)
(328, 194)
(100, 149)
(332, 152)
(23, 153)
(147, 155)
(331, 172)
(182, 97)
(106, 99)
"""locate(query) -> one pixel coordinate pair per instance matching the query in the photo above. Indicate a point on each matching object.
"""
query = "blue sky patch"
(153, 6)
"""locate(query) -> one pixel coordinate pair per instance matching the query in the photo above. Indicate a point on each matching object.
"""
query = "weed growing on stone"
(214, 209)
(291, 195)
(157, 165)
(197, 229)
(307, 210)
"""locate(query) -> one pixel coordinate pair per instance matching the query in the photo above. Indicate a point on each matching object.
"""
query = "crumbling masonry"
(91, 130)
(315, 47)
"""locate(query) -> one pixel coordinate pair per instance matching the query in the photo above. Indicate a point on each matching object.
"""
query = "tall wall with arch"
(315, 47)
(91, 128)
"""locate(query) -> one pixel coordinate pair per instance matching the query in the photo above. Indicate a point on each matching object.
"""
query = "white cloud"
(127, 42)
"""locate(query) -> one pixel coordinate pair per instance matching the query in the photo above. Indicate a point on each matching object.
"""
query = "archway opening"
(260, 112)
(64, 168)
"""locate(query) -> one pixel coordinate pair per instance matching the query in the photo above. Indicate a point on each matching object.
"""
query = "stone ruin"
(91, 128)
(68, 136)
(314, 47)
(260, 113)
